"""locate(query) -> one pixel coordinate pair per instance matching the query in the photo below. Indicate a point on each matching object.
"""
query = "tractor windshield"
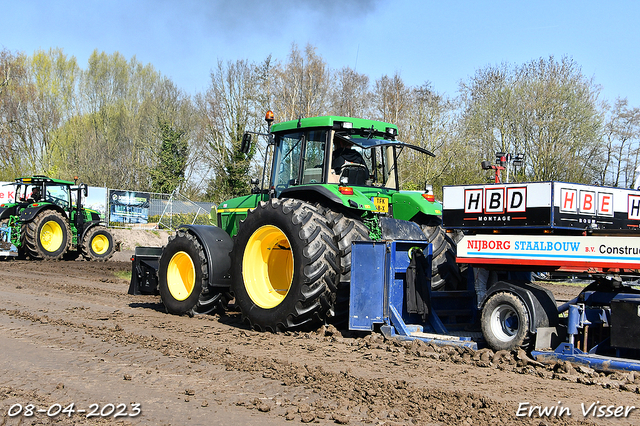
(57, 194)
(374, 159)
(299, 158)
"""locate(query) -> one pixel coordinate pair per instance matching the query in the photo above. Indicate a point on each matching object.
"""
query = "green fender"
(231, 212)
(407, 204)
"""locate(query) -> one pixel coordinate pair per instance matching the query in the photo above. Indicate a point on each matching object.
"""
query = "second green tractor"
(46, 220)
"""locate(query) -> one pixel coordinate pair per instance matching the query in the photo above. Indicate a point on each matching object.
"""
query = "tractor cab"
(43, 190)
(345, 164)
(335, 150)
(36, 191)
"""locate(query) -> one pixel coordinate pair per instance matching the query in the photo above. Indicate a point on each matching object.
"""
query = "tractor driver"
(36, 195)
(343, 153)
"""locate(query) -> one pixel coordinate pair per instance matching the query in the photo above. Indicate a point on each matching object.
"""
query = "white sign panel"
(550, 250)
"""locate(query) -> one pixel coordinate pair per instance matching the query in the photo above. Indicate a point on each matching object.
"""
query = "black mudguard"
(217, 245)
(539, 301)
(6, 212)
(144, 271)
(28, 214)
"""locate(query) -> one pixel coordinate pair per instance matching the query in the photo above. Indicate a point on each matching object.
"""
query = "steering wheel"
(60, 202)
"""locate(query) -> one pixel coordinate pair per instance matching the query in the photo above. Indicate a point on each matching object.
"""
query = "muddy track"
(69, 333)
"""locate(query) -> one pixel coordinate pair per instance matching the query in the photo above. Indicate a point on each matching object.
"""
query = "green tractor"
(47, 221)
(284, 251)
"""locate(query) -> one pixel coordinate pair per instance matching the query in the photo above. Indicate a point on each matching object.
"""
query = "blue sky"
(442, 42)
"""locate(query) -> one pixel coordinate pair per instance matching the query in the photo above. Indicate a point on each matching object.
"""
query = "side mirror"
(84, 189)
(246, 143)
(255, 189)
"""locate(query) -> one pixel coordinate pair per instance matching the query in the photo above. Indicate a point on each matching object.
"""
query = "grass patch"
(568, 283)
(125, 275)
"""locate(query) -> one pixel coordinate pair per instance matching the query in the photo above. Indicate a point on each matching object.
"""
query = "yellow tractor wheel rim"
(267, 266)
(181, 276)
(51, 236)
(100, 244)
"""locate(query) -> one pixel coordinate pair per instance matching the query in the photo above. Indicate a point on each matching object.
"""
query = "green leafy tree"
(172, 159)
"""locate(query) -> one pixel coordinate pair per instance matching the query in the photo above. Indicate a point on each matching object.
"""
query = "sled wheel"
(505, 322)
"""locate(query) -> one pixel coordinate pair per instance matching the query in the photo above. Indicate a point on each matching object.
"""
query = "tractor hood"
(348, 196)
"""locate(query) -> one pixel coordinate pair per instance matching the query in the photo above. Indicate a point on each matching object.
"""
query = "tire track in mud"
(217, 363)
(342, 397)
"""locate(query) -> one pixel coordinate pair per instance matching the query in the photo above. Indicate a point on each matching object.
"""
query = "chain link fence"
(149, 210)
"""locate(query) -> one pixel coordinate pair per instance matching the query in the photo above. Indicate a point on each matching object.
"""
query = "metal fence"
(148, 210)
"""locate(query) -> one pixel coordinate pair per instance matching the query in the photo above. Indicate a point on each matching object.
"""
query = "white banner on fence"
(7, 192)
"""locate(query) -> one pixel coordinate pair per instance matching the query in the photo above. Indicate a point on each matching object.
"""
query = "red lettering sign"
(568, 198)
(587, 202)
(605, 204)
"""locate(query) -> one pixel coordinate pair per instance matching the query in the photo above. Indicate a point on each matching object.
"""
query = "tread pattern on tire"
(523, 339)
(444, 269)
(346, 230)
(86, 245)
(209, 300)
(311, 296)
(31, 237)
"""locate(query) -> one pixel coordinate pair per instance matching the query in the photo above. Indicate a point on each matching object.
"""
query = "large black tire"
(444, 269)
(47, 236)
(284, 266)
(346, 230)
(183, 277)
(505, 322)
(98, 244)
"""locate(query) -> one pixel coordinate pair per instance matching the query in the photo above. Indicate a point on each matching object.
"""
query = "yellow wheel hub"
(181, 276)
(51, 236)
(267, 266)
(100, 244)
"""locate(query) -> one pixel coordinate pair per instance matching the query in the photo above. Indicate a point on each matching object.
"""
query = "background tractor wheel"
(505, 322)
(284, 266)
(444, 269)
(183, 277)
(47, 236)
(98, 244)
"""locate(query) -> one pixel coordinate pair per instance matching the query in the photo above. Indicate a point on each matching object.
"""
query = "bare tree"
(391, 99)
(351, 96)
(228, 109)
(301, 85)
(621, 132)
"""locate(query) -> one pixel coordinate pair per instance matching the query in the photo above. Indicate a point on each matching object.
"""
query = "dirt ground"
(70, 334)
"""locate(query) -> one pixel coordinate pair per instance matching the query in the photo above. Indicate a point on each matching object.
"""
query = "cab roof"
(334, 121)
(40, 179)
